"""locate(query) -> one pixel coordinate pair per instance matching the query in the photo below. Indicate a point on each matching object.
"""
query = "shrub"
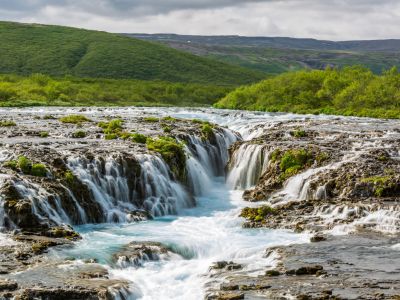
(12, 164)
(74, 119)
(80, 134)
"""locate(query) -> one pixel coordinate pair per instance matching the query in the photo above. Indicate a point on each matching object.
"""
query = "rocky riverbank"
(60, 170)
(337, 180)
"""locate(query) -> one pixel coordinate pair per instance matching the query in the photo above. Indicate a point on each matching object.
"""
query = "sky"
(320, 19)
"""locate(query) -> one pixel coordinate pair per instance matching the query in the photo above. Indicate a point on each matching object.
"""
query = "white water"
(202, 235)
(208, 233)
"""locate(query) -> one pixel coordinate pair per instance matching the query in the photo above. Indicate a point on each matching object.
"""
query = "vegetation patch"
(381, 184)
(299, 133)
(257, 214)
(207, 131)
(74, 119)
(43, 134)
(139, 138)
(7, 123)
(151, 119)
(171, 151)
(26, 166)
(351, 91)
(80, 134)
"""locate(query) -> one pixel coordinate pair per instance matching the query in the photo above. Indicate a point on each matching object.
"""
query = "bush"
(170, 119)
(166, 128)
(24, 164)
(74, 119)
(299, 133)
(111, 136)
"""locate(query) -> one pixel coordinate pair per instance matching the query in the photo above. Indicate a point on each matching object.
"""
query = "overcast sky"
(322, 19)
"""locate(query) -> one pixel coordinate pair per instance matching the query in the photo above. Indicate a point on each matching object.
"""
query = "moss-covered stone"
(257, 214)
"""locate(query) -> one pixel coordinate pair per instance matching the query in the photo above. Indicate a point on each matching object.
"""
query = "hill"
(351, 91)
(59, 51)
(275, 55)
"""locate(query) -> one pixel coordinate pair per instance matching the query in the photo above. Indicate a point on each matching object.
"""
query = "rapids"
(208, 232)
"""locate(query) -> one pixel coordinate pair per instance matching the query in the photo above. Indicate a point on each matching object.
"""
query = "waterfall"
(248, 163)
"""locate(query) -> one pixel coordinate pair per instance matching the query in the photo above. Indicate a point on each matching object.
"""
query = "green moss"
(44, 134)
(171, 151)
(138, 138)
(7, 123)
(275, 155)
(111, 136)
(198, 121)
(166, 128)
(381, 184)
(151, 119)
(74, 119)
(295, 159)
(69, 177)
(24, 164)
(38, 170)
(257, 214)
(207, 131)
(169, 119)
(80, 134)
(299, 133)
(321, 157)
(12, 164)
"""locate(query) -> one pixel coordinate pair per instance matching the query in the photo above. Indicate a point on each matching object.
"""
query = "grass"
(139, 138)
(74, 119)
(151, 119)
(43, 134)
(380, 183)
(63, 51)
(207, 130)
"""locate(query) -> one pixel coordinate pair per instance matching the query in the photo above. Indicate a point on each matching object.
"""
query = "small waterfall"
(45, 206)
(118, 191)
(248, 163)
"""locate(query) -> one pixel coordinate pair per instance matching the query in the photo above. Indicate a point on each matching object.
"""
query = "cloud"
(334, 19)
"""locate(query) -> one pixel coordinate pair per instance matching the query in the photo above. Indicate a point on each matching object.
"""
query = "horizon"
(344, 20)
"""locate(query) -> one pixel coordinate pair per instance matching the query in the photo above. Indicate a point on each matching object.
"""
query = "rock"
(317, 238)
(7, 285)
(138, 215)
(272, 273)
(306, 270)
(136, 253)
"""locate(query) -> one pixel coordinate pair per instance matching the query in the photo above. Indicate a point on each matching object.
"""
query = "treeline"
(351, 91)
(42, 90)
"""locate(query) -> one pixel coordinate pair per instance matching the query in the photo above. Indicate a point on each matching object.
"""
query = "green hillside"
(58, 51)
(351, 91)
(280, 55)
